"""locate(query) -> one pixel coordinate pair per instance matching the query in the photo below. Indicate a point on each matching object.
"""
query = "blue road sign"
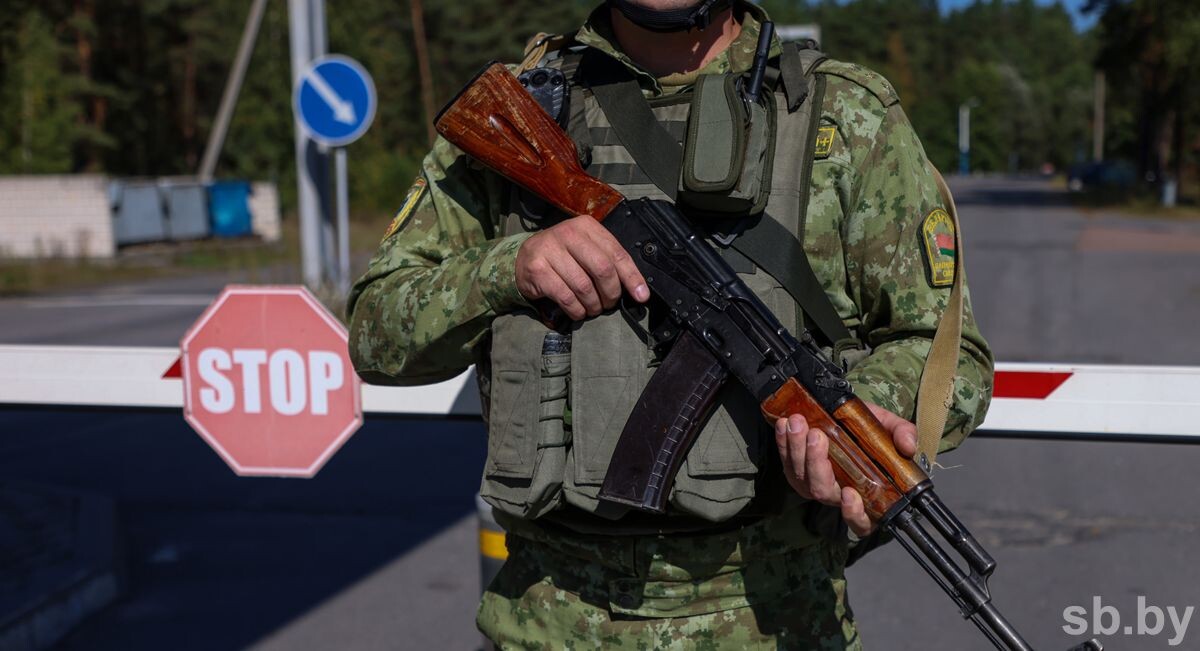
(335, 100)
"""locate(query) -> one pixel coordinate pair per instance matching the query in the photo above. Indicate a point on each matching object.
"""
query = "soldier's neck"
(672, 53)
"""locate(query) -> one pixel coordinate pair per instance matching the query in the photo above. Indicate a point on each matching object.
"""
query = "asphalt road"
(379, 550)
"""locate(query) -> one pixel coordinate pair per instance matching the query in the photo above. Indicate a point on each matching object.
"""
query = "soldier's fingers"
(781, 444)
(598, 263)
(904, 433)
(554, 288)
(854, 513)
(818, 470)
(564, 264)
(627, 271)
(796, 436)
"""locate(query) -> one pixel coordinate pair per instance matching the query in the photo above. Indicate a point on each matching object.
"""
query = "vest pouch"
(729, 150)
(718, 476)
(527, 437)
(717, 479)
(610, 369)
(610, 366)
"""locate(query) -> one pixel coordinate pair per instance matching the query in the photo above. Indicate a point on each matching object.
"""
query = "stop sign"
(267, 381)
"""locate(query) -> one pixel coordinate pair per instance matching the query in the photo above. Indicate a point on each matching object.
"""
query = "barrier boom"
(1097, 402)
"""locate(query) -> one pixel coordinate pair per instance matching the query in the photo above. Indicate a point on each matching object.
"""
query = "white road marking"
(97, 301)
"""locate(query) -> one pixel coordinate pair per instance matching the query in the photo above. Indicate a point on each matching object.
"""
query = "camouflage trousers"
(736, 590)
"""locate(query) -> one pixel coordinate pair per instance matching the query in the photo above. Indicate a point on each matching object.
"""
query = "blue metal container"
(229, 208)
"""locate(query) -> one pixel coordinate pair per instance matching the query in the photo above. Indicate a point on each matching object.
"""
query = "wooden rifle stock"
(495, 121)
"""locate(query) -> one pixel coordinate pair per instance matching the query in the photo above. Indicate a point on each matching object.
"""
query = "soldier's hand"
(580, 266)
(806, 464)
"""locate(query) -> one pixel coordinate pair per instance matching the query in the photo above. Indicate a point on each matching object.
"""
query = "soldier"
(740, 560)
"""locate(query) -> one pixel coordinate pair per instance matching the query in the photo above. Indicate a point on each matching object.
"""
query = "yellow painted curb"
(491, 544)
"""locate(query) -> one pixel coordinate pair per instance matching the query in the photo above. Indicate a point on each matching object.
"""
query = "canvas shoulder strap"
(936, 391)
(540, 45)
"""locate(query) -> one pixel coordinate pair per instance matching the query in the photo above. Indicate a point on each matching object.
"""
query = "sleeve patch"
(939, 248)
(410, 202)
(824, 143)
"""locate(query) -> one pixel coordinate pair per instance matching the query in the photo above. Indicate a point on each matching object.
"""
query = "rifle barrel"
(969, 591)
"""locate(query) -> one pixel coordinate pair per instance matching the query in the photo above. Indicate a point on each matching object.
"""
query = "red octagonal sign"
(268, 383)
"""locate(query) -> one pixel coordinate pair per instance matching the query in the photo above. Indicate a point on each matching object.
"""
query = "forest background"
(130, 87)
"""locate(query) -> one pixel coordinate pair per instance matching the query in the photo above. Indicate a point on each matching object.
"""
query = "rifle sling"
(616, 91)
(935, 395)
(777, 251)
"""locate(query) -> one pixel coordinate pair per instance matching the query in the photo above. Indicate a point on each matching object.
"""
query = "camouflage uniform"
(423, 309)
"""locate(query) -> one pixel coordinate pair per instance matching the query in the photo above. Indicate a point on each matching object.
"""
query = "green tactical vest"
(537, 459)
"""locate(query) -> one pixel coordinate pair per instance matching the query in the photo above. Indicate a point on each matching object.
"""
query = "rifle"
(725, 330)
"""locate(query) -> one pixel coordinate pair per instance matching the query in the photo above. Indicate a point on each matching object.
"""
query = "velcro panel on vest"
(527, 439)
(612, 163)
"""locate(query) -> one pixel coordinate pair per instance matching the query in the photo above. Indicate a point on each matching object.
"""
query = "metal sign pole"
(308, 199)
(334, 103)
(318, 48)
(343, 221)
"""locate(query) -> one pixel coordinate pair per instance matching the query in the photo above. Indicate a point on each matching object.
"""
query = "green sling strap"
(761, 242)
(619, 96)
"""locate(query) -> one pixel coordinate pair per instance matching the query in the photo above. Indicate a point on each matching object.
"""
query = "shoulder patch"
(874, 82)
(938, 244)
(410, 202)
(824, 142)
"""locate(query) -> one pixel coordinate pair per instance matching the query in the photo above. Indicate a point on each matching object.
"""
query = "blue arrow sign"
(335, 100)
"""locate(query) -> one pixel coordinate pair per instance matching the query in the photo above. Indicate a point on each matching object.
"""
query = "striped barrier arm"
(1100, 402)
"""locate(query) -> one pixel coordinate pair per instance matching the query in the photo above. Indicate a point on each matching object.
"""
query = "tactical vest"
(555, 416)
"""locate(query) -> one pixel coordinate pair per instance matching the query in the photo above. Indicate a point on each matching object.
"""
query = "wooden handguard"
(860, 448)
(495, 121)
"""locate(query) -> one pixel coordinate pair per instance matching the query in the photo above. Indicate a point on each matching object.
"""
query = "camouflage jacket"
(423, 308)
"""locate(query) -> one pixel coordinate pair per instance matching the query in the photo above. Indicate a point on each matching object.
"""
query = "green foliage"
(40, 125)
(1150, 53)
(1024, 63)
(462, 37)
(130, 87)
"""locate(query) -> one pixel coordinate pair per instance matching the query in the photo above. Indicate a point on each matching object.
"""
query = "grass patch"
(250, 258)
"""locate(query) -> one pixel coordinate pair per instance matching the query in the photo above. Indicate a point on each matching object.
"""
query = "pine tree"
(38, 130)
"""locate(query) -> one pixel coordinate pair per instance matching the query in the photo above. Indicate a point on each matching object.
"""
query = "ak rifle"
(723, 330)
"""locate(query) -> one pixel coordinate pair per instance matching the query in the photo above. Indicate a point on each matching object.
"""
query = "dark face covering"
(697, 16)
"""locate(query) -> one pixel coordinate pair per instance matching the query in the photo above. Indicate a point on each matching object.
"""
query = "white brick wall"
(264, 211)
(69, 216)
(64, 216)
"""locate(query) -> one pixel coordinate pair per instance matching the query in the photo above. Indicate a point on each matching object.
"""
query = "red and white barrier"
(1054, 400)
(1098, 401)
(136, 377)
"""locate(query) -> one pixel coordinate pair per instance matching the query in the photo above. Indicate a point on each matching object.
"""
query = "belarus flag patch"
(939, 245)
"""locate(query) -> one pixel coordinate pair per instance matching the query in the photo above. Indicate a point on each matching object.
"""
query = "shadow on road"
(1002, 192)
(216, 561)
